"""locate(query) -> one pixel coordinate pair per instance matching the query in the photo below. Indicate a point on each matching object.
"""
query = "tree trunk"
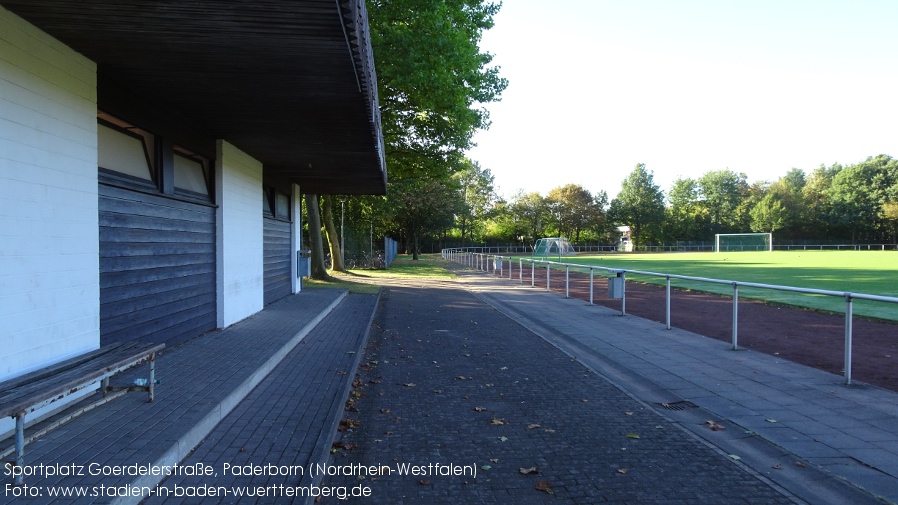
(315, 242)
(333, 239)
(415, 246)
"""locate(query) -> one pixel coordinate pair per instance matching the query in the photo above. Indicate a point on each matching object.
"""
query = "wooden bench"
(27, 393)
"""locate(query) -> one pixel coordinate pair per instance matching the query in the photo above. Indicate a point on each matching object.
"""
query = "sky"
(687, 87)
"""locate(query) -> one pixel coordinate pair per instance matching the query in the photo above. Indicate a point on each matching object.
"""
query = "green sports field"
(870, 272)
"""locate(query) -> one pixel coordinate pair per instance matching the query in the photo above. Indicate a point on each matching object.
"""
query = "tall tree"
(333, 238)
(768, 215)
(721, 192)
(815, 218)
(532, 210)
(639, 205)
(477, 198)
(315, 242)
(858, 192)
(685, 217)
(572, 210)
(424, 206)
(433, 85)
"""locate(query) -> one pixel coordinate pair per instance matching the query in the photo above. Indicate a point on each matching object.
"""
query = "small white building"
(625, 242)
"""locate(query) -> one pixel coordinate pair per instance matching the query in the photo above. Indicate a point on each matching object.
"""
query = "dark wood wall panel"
(157, 267)
(277, 257)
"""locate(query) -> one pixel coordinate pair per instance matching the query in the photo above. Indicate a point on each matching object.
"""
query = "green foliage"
(686, 218)
(639, 205)
(769, 215)
(432, 80)
(572, 208)
(721, 192)
(532, 212)
(858, 192)
(422, 206)
(477, 199)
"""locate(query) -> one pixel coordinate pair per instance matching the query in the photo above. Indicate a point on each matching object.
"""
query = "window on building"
(124, 151)
(282, 205)
(190, 174)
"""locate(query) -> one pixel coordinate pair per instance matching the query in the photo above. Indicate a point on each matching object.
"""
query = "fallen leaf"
(485, 467)
(489, 385)
(460, 377)
(734, 457)
(479, 409)
(628, 413)
(622, 471)
(384, 411)
(770, 420)
(348, 424)
(543, 486)
(799, 464)
(532, 426)
(504, 368)
(498, 422)
(503, 439)
(549, 430)
(437, 391)
(424, 482)
(528, 471)
(409, 384)
(777, 467)
(632, 435)
(584, 401)
(494, 460)
(714, 426)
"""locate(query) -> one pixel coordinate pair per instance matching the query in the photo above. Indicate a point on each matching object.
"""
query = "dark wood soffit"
(276, 78)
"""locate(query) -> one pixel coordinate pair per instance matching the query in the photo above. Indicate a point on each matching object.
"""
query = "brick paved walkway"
(447, 379)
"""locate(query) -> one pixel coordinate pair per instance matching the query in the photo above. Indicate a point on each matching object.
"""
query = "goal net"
(743, 242)
(553, 246)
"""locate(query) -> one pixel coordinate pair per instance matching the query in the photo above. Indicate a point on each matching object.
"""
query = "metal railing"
(497, 266)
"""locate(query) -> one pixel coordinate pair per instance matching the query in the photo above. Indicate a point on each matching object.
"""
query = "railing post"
(668, 302)
(567, 281)
(548, 276)
(532, 274)
(521, 269)
(735, 316)
(849, 309)
(623, 294)
(590, 284)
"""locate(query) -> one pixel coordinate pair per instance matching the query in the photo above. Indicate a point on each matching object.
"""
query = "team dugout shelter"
(152, 155)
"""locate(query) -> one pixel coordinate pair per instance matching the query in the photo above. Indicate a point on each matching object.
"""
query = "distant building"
(625, 242)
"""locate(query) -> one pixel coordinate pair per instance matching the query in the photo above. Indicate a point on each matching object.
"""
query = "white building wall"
(49, 243)
(238, 181)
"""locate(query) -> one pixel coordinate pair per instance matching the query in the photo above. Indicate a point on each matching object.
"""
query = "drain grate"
(681, 405)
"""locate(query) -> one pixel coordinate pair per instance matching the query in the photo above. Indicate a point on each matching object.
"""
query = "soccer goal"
(743, 242)
(553, 246)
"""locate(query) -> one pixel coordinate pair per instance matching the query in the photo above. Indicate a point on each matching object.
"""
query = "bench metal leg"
(105, 386)
(151, 387)
(20, 447)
